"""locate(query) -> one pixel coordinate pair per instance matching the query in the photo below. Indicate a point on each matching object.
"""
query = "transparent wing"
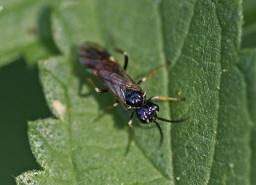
(118, 83)
(91, 54)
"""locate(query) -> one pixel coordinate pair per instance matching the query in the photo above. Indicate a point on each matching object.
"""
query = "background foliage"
(216, 147)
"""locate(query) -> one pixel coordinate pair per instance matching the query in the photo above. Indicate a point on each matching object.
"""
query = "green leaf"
(202, 39)
(25, 30)
(248, 66)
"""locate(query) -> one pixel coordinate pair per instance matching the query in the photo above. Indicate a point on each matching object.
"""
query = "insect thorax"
(134, 99)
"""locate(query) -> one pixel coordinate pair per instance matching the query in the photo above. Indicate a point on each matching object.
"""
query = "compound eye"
(142, 115)
(156, 108)
(152, 107)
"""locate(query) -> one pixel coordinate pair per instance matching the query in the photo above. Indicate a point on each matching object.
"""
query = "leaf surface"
(248, 67)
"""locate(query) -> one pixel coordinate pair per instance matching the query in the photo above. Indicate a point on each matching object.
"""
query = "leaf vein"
(218, 99)
(166, 70)
(69, 128)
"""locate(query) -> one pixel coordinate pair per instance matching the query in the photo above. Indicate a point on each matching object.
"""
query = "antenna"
(166, 120)
(161, 133)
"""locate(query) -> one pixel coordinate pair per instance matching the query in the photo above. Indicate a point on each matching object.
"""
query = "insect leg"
(131, 126)
(119, 51)
(167, 98)
(152, 73)
(126, 59)
(109, 108)
(96, 88)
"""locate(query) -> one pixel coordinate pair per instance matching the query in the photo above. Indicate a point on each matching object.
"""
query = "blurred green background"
(22, 99)
(249, 27)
